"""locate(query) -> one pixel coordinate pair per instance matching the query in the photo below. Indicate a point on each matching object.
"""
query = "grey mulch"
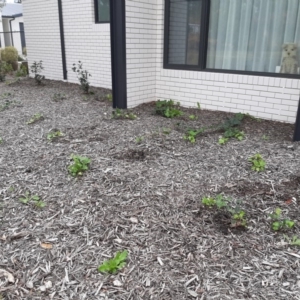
(142, 197)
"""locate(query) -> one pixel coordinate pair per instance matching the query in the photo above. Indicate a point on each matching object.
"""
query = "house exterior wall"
(263, 97)
(84, 40)
(15, 26)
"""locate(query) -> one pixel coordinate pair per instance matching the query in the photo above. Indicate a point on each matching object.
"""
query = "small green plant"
(166, 130)
(280, 223)
(294, 241)
(139, 139)
(265, 137)
(192, 134)
(82, 76)
(121, 114)
(219, 201)
(239, 219)
(80, 164)
(22, 72)
(236, 120)
(258, 163)
(115, 264)
(35, 118)
(5, 68)
(193, 117)
(54, 134)
(1, 140)
(231, 133)
(36, 199)
(7, 104)
(59, 97)
(167, 108)
(109, 97)
(223, 140)
(36, 68)
(198, 105)
(208, 201)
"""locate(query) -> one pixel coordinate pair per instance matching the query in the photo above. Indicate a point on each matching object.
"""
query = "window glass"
(184, 32)
(254, 35)
(103, 11)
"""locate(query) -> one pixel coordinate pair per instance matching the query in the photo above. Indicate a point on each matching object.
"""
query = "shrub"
(167, 108)
(4, 69)
(36, 68)
(83, 76)
(9, 54)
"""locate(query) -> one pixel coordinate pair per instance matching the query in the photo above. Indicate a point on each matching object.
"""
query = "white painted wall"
(84, 40)
(264, 97)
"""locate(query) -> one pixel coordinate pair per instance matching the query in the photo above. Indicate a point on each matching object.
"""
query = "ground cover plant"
(80, 164)
(54, 134)
(35, 118)
(122, 114)
(258, 163)
(114, 264)
(167, 108)
(145, 198)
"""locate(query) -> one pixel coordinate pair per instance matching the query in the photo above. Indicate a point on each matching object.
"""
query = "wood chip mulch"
(141, 195)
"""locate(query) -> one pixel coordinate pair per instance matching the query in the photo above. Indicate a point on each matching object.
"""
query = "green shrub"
(4, 69)
(9, 54)
(167, 108)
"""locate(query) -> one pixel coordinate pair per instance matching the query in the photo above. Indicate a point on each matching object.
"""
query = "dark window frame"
(203, 44)
(96, 9)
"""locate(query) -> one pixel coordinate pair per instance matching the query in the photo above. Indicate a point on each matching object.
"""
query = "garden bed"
(142, 193)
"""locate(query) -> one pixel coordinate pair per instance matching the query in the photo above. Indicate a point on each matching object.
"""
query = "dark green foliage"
(167, 108)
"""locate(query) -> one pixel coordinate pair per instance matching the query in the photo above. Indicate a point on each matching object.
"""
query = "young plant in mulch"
(139, 139)
(57, 97)
(54, 134)
(35, 118)
(167, 108)
(280, 223)
(294, 241)
(257, 162)
(32, 198)
(121, 114)
(82, 76)
(109, 97)
(36, 68)
(230, 128)
(219, 201)
(192, 134)
(238, 218)
(193, 117)
(114, 264)
(80, 165)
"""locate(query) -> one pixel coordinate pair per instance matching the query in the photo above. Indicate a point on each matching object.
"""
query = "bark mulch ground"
(142, 193)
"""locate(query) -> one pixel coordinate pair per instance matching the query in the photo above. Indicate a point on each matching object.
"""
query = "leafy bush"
(80, 164)
(36, 68)
(167, 108)
(83, 76)
(9, 54)
(22, 72)
(5, 68)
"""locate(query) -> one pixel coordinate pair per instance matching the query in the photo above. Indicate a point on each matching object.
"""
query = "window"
(102, 11)
(238, 36)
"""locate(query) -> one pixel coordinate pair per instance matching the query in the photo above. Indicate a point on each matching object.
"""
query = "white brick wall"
(84, 40)
(264, 97)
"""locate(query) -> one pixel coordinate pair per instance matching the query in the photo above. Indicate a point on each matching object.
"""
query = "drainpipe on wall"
(297, 126)
(11, 35)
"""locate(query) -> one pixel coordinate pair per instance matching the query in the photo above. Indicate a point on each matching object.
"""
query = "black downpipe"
(118, 53)
(11, 33)
(62, 39)
(297, 126)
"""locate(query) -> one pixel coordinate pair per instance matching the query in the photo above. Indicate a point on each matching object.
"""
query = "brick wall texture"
(264, 97)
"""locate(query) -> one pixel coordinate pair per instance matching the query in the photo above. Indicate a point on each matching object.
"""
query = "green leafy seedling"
(221, 201)
(258, 163)
(295, 241)
(34, 119)
(120, 114)
(115, 264)
(279, 223)
(139, 139)
(208, 201)
(167, 108)
(80, 164)
(26, 198)
(109, 97)
(238, 219)
(223, 140)
(54, 134)
(166, 131)
(193, 117)
(192, 134)
(198, 105)
(265, 137)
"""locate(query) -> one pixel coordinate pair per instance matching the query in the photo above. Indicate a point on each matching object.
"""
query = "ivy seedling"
(279, 223)
(258, 163)
(114, 264)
